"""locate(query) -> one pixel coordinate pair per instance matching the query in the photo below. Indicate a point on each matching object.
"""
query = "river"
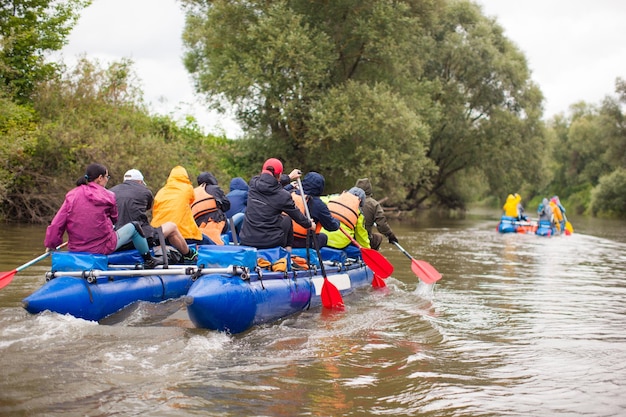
(519, 325)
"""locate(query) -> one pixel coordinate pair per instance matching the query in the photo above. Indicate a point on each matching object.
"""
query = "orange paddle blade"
(425, 271)
(331, 297)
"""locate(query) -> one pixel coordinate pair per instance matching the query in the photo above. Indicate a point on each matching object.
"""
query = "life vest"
(203, 203)
(345, 208)
(299, 231)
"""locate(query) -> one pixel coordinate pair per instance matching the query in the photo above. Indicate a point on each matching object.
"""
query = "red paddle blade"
(331, 297)
(377, 282)
(377, 262)
(6, 278)
(425, 271)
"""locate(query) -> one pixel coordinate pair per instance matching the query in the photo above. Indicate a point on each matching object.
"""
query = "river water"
(519, 325)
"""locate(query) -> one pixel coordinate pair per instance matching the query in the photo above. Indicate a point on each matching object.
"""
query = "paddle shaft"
(408, 255)
(7, 277)
(39, 258)
(374, 259)
(331, 297)
(308, 215)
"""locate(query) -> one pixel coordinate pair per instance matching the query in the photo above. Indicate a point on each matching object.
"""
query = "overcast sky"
(575, 49)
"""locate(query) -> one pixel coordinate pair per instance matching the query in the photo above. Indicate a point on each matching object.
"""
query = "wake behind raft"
(226, 290)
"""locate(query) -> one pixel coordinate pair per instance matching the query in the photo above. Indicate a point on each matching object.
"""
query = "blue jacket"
(238, 196)
(313, 186)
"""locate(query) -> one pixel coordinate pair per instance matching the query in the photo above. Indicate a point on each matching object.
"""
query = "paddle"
(378, 282)
(7, 277)
(374, 259)
(425, 271)
(569, 229)
(331, 297)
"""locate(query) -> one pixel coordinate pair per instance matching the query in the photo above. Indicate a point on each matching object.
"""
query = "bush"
(608, 197)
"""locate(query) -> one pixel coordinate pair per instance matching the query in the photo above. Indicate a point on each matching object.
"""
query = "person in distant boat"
(172, 203)
(134, 199)
(559, 220)
(374, 216)
(210, 203)
(346, 207)
(270, 209)
(520, 209)
(513, 207)
(238, 197)
(313, 187)
(563, 218)
(544, 211)
(88, 215)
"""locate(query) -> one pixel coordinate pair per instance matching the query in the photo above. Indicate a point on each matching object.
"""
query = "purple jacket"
(88, 215)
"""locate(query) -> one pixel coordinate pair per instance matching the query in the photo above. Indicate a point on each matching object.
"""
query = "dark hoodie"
(211, 187)
(267, 200)
(238, 196)
(313, 186)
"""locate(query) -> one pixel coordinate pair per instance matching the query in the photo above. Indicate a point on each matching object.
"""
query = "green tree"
(608, 198)
(409, 93)
(28, 30)
(590, 144)
(489, 116)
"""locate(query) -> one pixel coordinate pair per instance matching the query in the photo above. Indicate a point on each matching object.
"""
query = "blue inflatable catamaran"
(227, 290)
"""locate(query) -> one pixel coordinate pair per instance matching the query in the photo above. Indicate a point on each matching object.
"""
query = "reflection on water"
(519, 325)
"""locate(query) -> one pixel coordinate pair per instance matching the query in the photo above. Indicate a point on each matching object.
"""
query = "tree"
(28, 30)
(409, 93)
(608, 197)
(489, 110)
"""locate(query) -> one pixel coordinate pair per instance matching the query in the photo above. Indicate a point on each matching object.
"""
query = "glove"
(392, 238)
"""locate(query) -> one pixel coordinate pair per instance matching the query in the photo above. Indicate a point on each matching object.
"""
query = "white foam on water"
(42, 328)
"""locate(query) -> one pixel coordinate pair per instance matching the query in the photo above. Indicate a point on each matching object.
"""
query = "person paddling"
(346, 207)
(374, 216)
(270, 209)
(312, 188)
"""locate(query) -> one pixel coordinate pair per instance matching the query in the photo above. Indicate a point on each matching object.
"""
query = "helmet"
(274, 166)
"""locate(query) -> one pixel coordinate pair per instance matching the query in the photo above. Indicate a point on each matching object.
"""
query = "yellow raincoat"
(173, 204)
(510, 207)
(557, 213)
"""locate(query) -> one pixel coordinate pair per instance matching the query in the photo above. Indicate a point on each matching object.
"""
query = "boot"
(148, 261)
(191, 258)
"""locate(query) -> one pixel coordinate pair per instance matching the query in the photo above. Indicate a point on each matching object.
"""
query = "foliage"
(96, 115)
(28, 30)
(608, 197)
(357, 130)
(409, 93)
(428, 99)
(590, 144)
(489, 109)
(18, 131)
